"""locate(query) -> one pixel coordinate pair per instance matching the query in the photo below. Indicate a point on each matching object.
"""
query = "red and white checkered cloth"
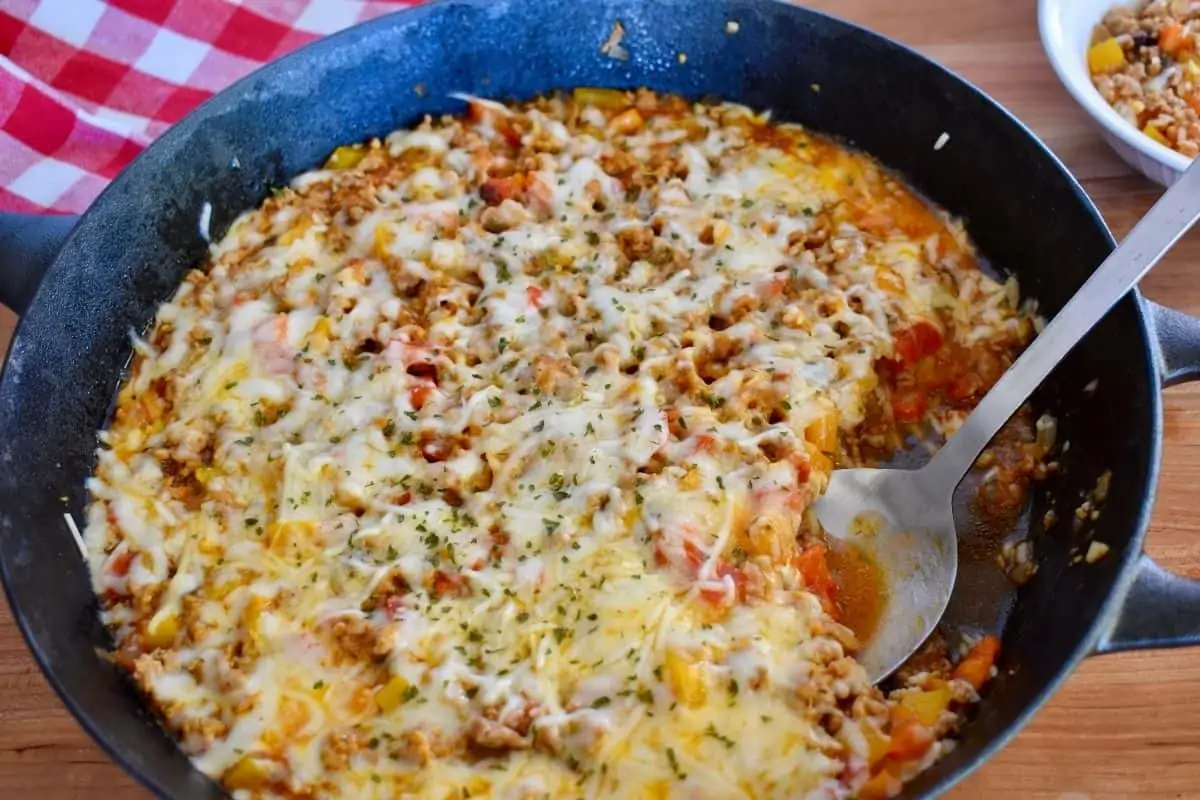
(86, 84)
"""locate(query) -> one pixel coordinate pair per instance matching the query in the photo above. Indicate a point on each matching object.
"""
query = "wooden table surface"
(1123, 726)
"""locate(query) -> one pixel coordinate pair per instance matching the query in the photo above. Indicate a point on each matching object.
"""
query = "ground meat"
(636, 243)
(358, 639)
(491, 735)
(338, 748)
(506, 216)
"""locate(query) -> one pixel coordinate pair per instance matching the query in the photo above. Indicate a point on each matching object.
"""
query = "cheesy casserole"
(476, 463)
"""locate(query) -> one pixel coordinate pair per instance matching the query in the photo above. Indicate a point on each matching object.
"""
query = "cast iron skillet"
(129, 251)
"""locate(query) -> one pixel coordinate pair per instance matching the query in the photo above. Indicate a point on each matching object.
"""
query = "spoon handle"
(1171, 217)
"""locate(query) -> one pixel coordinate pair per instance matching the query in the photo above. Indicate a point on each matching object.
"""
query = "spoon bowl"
(909, 533)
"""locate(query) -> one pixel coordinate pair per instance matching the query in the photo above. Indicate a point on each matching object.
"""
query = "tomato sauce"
(862, 591)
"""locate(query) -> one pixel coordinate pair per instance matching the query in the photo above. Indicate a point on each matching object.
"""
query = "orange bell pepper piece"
(976, 666)
(1173, 39)
(813, 566)
(910, 740)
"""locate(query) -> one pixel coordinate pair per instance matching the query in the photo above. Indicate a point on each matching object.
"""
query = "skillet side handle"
(1178, 337)
(1160, 610)
(28, 245)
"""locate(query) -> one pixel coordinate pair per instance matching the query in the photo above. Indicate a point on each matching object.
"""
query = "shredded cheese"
(480, 459)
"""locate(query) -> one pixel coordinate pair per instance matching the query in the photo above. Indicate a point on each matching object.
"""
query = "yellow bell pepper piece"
(474, 788)
(384, 236)
(297, 231)
(889, 281)
(626, 122)
(1154, 133)
(686, 679)
(658, 790)
(787, 166)
(391, 694)
(346, 156)
(161, 631)
(877, 743)
(880, 787)
(285, 533)
(251, 615)
(320, 337)
(247, 773)
(822, 431)
(293, 715)
(818, 462)
(926, 707)
(1107, 56)
(600, 98)
(721, 232)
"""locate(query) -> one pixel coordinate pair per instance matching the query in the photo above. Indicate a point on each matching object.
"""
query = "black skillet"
(128, 252)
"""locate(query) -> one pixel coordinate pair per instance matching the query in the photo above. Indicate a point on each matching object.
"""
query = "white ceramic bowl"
(1066, 28)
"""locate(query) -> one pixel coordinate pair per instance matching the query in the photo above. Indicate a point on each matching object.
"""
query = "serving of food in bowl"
(1145, 64)
(1135, 68)
(477, 456)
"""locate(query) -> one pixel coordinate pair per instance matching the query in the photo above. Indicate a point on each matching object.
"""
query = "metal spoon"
(903, 518)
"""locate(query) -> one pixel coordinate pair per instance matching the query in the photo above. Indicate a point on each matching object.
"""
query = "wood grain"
(1123, 726)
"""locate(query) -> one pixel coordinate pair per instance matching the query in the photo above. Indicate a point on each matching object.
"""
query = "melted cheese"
(420, 488)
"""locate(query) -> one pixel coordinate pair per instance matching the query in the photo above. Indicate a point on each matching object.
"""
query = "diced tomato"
(813, 565)
(539, 195)
(715, 596)
(676, 548)
(534, 293)
(705, 443)
(739, 579)
(964, 387)
(907, 405)
(499, 542)
(435, 450)
(479, 112)
(423, 369)
(496, 190)
(393, 605)
(120, 565)
(270, 344)
(774, 288)
(447, 584)
(803, 468)
(499, 119)
(920, 339)
(510, 134)
(419, 395)
(976, 666)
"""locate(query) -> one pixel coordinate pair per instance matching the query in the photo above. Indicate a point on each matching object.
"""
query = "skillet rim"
(235, 92)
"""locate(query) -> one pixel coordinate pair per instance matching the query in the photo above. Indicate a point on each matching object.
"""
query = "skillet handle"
(1178, 337)
(1161, 609)
(28, 246)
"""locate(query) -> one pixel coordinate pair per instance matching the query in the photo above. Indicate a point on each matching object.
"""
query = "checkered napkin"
(86, 84)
